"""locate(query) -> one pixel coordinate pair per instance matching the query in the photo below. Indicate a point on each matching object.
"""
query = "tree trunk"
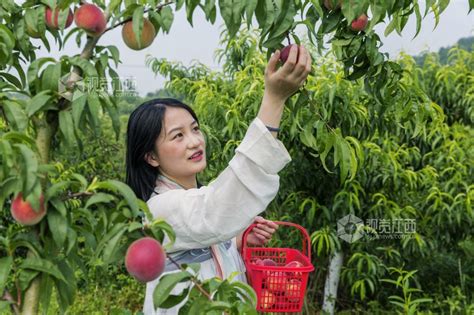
(332, 282)
(45, 130)
(31, 300)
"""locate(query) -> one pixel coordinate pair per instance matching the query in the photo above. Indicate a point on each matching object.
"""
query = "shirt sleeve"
(221, 210)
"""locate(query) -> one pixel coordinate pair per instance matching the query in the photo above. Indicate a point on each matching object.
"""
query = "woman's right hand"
(281, 83)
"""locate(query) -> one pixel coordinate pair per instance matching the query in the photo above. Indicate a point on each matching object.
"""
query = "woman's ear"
(152, 159)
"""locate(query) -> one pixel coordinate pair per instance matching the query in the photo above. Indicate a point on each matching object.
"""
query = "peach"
(267, 299)
(52, 21)
(145, 259)
(269, 262)
(276, 281)
(147, 36)
(293, 290)
(360, 23)
(91, 19)
(23, 212)
(295, 264)
(285, 52)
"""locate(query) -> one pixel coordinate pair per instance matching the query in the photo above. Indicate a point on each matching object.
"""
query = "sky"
(185, 43)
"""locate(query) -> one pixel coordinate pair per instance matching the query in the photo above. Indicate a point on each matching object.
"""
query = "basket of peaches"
(278, 275)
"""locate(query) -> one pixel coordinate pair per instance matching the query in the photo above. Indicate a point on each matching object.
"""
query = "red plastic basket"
(280, 288)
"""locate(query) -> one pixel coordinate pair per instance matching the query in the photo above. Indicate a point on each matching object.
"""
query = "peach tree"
(48, 103)
(407, 164)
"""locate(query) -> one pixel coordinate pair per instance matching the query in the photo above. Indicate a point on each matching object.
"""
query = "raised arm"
(224, 208)
(281, 83)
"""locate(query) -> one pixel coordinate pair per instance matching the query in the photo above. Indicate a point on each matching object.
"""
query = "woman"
(165, 151)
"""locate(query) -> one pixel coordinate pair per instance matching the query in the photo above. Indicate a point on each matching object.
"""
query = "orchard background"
(384, 140)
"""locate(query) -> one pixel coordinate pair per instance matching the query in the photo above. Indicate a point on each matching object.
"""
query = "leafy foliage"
(351, 154)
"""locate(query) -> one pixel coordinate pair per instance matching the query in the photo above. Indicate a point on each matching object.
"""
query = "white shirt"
(218, 212)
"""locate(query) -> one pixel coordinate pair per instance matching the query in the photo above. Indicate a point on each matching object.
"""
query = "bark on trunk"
(332, 282)
(45, 130)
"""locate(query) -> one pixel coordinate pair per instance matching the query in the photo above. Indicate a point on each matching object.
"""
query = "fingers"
(302, 58)
(290, 63)
(265, 229)
(305, 67)
(272, 63)
(265, 223)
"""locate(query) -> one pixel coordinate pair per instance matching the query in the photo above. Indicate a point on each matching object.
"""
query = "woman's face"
(179, 139)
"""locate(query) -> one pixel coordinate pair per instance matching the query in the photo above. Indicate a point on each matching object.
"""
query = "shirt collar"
(163, 184)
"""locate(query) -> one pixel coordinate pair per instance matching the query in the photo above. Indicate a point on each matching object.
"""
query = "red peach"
(293, 290)
(23, 212)
(147, 36)
(360, 23)
(145, 259)
(295, 264)
(276, 281)
(90, 18)
(52, 21)
(267, 299)
(269, 262)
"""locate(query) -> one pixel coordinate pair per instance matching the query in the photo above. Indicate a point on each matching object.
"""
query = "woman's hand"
(262, 233)
(283, 82)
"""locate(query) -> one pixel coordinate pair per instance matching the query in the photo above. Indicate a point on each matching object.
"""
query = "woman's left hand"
(262, 233)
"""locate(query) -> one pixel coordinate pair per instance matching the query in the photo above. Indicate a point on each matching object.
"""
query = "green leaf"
(39, 101)
(114, 52)
(391, 26)
(99, 198)
(50, 77)
(58, 226)
(34, 68)
(5, 268)
(66, 126)
(159, 226)
(165, 18)
(29, 169)
(174, 300)
(250, 7)
(46, 288)
(328, 145)
(15, 114)
(112, 247)
(124, 190)
(78, 105)
(138, 24)
(25, 278)
(42, 265)
(93, 104)
(166, 284)
(56, 189)
(12, 79)
(418, 19)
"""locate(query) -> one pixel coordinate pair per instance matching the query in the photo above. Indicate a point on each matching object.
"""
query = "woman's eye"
(177, 135)
(197, 128)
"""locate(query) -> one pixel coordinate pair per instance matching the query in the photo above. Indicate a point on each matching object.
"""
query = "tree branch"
(76, 195)
(193, 279)
(158, 9)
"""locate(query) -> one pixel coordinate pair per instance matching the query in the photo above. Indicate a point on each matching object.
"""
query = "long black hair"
(144, 127)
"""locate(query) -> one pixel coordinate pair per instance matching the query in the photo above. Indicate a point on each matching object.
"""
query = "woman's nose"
(195, 140)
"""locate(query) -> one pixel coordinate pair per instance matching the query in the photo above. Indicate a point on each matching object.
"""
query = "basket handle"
(306, 248)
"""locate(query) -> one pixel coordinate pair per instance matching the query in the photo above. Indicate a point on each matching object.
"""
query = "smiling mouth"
(196, 155)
